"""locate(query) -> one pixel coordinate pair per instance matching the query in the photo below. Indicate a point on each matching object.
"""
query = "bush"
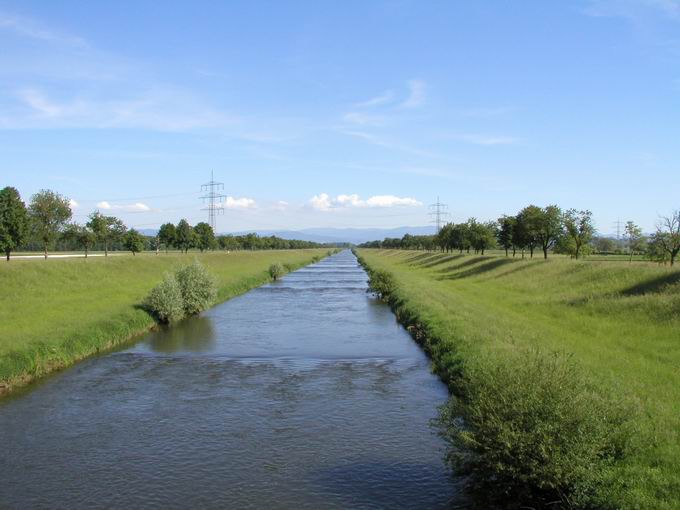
(531, 430)
(197, 286)
(165, 301)
(382, 283)
(276, 271)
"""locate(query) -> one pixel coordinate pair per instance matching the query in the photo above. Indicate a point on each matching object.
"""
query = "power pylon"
(439, 213)
(213, 200)
(618, 223)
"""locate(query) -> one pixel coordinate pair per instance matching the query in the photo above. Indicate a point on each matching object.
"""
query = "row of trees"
(548, 229)
(47, 221)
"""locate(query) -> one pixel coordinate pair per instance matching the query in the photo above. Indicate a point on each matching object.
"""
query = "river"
(304, 393)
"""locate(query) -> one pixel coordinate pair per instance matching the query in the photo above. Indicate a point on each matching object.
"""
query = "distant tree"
(604, 244)
(13, 220)
(134, 241)
(229, 243)
(108, 229)
(48, 212)
(667, 235)
(579, 227)
(633, 234)
(205, 237)
(549, 228)
(166, 235)
(526, 230)
(481, 235)
(185, 237)
(81, 235)
(506, 225)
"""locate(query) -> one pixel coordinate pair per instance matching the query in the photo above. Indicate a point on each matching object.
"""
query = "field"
(55, 312)
(621, 322)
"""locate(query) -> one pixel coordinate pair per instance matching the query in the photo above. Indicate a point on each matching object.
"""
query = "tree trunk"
(545, 252)
(578, 249)
(106, 249)
(7, 253)
(531, 252)
(45, 252)
(506, 252)
(86, 252)
(674, 254)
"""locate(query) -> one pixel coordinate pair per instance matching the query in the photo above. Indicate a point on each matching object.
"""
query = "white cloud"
(137, 207)
(281, 205)
(240, 203)
(73, 204)
(362, 119)
(29, 28)
(479, 139)
(384, 98)
(323, 202)
(416, 94)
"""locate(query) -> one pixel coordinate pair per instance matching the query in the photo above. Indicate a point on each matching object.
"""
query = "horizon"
(352, 116)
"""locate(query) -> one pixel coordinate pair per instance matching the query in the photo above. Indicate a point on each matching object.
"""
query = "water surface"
(304, 393)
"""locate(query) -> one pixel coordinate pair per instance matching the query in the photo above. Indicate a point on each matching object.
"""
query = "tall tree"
(526, 228)
(108, 229)
(506, 225)
(166, 235)
(13, 220)
(549, 228)
(633, 233)
(133, 241)
(185, 237)
(668, 235)
(579, 227)
(48, 212)
(205, 237)
(81, 235)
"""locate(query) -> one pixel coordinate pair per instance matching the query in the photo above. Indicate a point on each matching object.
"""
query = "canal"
(304, 393)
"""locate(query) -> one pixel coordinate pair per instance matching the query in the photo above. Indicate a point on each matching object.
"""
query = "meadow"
(55, 312)
(620, 321)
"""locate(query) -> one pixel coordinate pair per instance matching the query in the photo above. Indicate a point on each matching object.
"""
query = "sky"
(358, 113)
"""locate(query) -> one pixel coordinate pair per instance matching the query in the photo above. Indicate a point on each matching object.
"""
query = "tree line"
(47, 222)
(545, 229)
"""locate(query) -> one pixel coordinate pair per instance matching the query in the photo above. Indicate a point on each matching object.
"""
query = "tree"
(166, 235)
(549, 228)
(579, 227)
(633, 233)
(108, 229)
(48, 212)
(185, 237)
(205, 237)
(13, 220)
(82, 235)
(667, 235)
(525, 234)
(506, 225)
(134, 241)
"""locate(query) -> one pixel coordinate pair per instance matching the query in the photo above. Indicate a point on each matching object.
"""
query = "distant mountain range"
(331, 235)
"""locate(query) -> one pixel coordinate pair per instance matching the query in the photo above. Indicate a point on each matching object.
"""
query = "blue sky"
(355, 113)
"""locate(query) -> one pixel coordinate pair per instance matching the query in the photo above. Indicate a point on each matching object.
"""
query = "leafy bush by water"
(276, 270)
(530, 430)
(197, 286)
(165, 300)
(382, 283)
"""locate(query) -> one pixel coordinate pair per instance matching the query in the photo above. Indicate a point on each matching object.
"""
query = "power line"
(438, 211)
(214, 199)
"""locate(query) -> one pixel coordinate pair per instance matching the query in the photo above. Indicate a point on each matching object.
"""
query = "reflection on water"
(300, 394)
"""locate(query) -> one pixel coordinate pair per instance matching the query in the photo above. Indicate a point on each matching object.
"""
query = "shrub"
(533, 428)
(197, 286)
(382, 283)
(276, 271)
(165, 301)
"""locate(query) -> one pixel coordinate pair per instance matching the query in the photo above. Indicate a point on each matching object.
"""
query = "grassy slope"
(621, 321)
(55, 312)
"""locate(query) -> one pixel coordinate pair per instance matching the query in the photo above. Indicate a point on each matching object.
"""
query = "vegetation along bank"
(53, 314)
(565, 374)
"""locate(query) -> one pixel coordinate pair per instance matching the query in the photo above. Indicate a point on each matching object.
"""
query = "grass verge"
(56, 312)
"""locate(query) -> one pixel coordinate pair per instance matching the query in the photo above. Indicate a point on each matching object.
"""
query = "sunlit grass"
(620, 321)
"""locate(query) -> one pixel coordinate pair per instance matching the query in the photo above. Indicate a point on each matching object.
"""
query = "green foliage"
(580, 229)
(197, 286)
(382, 283)
(107, 229)
(48, 212)
(665, 243)
(13, 220)
(165, 301)
(134, 241)
(530, 429)
(185, 237)
(81, 235)
(205, 237)
(276, 270)
(166, 235)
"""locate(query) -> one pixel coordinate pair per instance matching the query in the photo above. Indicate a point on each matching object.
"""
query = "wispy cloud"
(363, 119)
(384, 98)
(324, 202)
(388, 144)
(240, 203)
(481, 139)
(29, 28)
(136, 207)
(416, 95)
(493, 111)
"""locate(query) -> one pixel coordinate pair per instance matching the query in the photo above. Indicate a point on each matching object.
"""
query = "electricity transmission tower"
(438, 211)
(618, 223)
(213, 200)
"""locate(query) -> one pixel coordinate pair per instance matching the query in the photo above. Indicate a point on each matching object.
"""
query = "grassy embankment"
(620, 321)
(55, 312)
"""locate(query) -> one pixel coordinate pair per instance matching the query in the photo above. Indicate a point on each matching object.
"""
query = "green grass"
(621, 322)
(55, 312)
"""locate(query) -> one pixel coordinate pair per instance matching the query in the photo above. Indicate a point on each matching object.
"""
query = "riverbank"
(55, 313)
(620, 323)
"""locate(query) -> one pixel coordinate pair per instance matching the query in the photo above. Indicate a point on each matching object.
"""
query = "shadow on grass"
(421, 257)
(653, 286)
(479, 269)
(467, 263)
(443, 260)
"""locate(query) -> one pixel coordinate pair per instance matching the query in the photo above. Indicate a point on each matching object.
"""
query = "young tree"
(134, 241)
(525, 234)
(13, 220)
(166, 235)
(549, 228)
(185, 237)
(505, 233)
(108, 229)
(579, 227)
(82, 235)
(205, 237)
(48, 212)
(668, 235)
(633, 233)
